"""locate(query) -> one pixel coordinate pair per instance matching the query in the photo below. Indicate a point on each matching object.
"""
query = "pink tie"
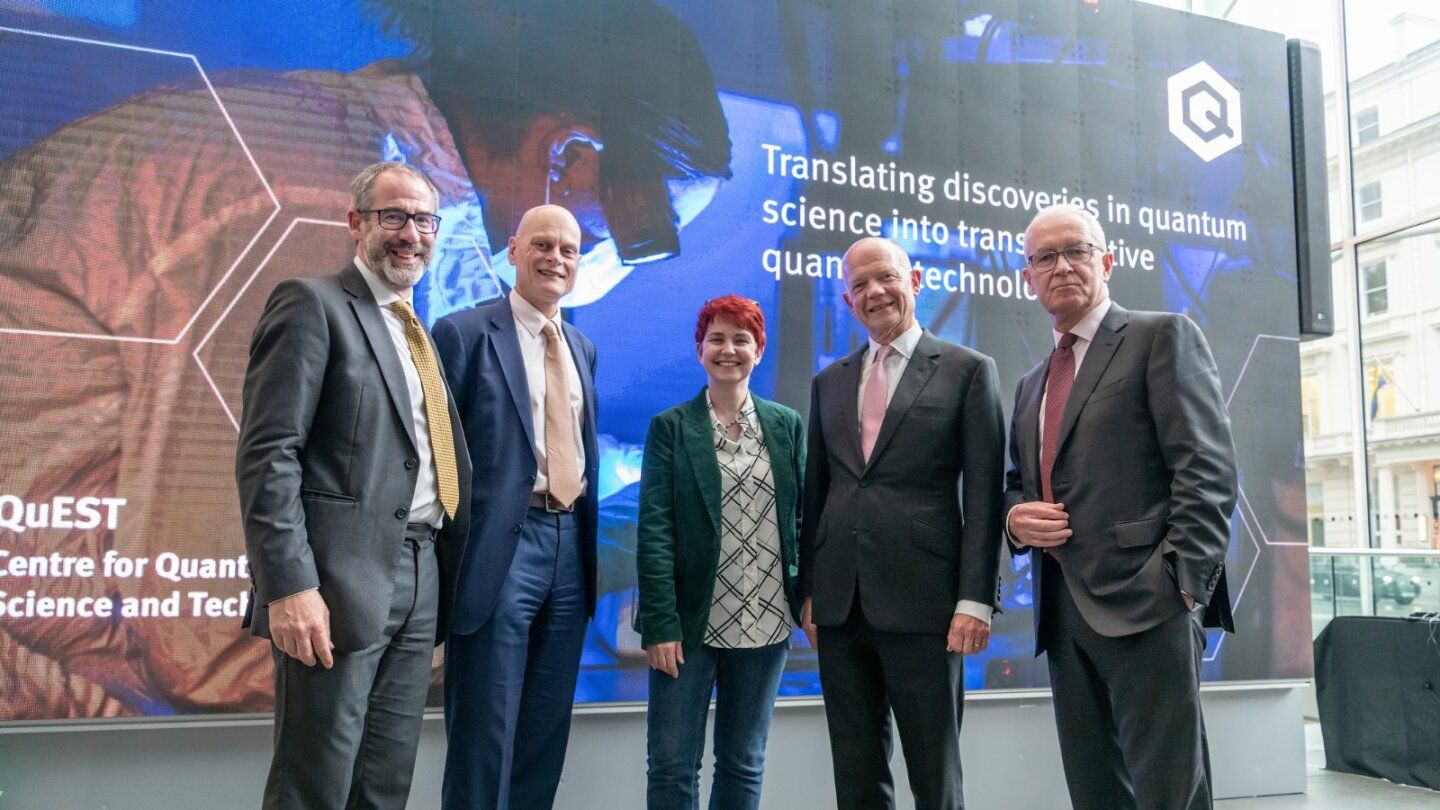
(1058, 382)
(873, 404)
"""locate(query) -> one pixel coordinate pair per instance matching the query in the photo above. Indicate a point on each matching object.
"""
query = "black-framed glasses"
(393, 219)
(1046, 260)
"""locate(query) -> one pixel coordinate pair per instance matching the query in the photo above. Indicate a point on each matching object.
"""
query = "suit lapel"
(372, 323)
(1027, 424)
(700, 448)
(1097, 358)
(847, 388)
(777, 438)
(512, 364)
(917, 373)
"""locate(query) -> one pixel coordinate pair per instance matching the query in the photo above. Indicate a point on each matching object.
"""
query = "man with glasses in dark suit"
(355, 487)
(1123, 474)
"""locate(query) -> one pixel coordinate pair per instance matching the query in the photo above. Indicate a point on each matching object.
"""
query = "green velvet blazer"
(677, 549)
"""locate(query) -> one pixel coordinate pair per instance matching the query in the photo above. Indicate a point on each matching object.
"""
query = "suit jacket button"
(516, 529)
(530, 480)
(411, 463)
(864, 482)
(401, 512)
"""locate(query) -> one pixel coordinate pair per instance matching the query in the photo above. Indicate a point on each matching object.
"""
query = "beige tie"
(559, 421)
(437, 415)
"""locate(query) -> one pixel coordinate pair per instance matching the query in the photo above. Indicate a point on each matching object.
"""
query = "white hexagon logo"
(1204, 111)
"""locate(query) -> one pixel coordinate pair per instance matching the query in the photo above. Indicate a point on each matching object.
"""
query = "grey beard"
(394, 277)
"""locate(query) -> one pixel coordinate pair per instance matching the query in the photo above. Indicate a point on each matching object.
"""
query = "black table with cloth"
(1377, 682)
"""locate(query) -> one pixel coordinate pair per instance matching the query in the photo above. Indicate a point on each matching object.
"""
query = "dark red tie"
(1057, 392)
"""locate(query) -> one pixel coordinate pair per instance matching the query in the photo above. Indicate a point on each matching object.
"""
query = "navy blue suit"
(527, 581)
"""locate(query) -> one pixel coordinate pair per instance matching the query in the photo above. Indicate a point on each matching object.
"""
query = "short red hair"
(742, 312)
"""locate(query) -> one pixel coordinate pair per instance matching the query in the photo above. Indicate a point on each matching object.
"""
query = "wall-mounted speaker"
(1312, 200)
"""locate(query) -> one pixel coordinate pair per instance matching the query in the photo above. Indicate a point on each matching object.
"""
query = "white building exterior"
(1395, 129)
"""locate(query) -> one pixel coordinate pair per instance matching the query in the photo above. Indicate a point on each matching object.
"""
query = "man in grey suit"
(354, 488)
(900, 541)
(1123, 474)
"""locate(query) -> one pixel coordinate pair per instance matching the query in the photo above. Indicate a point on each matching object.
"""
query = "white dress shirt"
(902, 348)
(529, 323)
(425, 503)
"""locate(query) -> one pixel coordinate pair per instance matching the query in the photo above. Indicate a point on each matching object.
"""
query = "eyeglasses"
(1075, 255)
(393, 219)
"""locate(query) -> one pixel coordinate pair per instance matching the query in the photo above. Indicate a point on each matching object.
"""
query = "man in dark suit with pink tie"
(900, 542)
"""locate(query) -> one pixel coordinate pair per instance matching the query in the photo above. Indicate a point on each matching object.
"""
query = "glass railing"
(1372, 582)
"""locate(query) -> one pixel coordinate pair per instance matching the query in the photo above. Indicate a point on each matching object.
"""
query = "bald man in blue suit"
(524, 385)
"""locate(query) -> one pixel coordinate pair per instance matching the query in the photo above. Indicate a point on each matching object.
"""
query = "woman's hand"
(666, 657)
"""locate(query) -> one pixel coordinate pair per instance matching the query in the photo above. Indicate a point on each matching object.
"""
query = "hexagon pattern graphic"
(1204, 111)
(308, 247)
(171, 115)
(1249, 540)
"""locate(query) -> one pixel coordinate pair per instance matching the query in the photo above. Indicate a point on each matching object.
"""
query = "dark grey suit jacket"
(326, 464)
(918, 527)
(1145, 469)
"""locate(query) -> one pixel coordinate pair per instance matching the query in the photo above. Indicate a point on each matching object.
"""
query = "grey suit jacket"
(1145, 469)
(918, 527)
(326, 464)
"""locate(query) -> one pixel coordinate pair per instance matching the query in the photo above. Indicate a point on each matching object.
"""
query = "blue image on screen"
(644, 329)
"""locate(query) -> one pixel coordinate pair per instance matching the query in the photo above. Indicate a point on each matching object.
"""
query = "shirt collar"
(384, 296)
(1090, 324)
(745, 418)
(532, 319)
(903, 345)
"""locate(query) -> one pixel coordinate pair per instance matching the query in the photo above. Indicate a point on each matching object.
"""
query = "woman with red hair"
(716, 553)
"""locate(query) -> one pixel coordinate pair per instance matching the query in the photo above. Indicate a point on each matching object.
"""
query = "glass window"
(1310, 404)
(1393, 59)
(1380, 388)
(1369, 202)
(1397, 586)
(1329, 398)
(1376, 298)
(1434, 502)
(1401, 401)
(1367, 126)
(1315, 512)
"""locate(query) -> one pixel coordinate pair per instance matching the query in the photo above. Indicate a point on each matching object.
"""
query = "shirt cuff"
(975, 609)
(287, 596)
(1005, 527)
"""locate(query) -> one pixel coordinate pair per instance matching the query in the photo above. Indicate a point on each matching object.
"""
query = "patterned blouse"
(749, 608)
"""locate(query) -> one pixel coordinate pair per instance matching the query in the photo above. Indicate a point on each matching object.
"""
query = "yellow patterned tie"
(437, 415)
(559, 420)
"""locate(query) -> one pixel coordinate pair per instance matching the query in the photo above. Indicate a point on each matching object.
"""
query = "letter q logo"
(1204, 111)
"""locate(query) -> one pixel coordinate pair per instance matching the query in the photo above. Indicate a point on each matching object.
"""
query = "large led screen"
(164, 164)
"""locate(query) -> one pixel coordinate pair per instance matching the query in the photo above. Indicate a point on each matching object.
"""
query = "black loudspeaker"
(1312, 199)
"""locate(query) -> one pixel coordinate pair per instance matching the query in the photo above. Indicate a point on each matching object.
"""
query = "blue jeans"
(745, 684)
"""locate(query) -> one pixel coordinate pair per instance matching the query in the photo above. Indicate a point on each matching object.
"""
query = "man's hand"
(808, 625)
(968, 635)
(300, 627)
(666, 657)
(1039, 524)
